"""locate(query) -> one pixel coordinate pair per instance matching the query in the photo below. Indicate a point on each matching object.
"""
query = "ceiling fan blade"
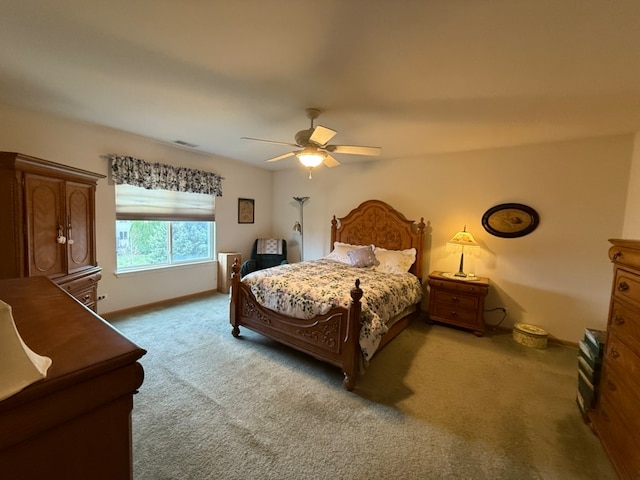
(269, 141)
(321, 135)
(330, 162)
(280, 157)
(354, 150)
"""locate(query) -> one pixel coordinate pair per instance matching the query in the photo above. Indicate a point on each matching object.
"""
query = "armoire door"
(45, 225)
(80, 226)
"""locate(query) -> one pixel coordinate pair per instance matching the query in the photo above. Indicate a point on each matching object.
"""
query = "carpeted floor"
(436, 403)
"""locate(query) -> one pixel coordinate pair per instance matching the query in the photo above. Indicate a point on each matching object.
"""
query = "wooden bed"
(334, 337)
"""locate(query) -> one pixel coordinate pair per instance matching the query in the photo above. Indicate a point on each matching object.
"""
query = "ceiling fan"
(315, 150)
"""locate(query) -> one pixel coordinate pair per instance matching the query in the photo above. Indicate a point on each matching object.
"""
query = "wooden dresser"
(47, 216)
(458, 302)
(76, 423)
(616, 418)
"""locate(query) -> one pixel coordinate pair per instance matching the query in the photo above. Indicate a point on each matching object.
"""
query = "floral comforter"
(307, 289)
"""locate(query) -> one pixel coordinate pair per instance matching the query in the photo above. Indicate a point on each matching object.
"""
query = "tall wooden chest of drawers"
(617, 415)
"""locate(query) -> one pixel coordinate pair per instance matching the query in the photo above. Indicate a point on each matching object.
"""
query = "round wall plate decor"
(510, 220)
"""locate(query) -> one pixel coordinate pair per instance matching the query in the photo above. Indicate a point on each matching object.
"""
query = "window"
(164, 215)
(156, 228)
(154, 243)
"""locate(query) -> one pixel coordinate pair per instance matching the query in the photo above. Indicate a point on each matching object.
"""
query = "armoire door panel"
(44, 220)
(80, 226)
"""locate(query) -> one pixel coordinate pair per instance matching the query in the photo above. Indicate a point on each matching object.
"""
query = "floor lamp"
(299, 225)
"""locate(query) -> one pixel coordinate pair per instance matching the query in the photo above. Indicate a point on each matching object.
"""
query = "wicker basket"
(530, 335)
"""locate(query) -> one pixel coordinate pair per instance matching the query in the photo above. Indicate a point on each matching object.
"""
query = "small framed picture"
(246, 210)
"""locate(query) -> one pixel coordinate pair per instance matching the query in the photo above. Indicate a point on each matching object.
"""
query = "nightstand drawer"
(464, 287)
(456, 301)
(456, 315)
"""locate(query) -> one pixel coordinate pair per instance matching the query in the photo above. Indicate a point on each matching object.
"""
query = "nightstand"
(457, 301)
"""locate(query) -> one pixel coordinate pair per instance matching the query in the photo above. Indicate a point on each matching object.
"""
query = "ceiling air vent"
(182, 143)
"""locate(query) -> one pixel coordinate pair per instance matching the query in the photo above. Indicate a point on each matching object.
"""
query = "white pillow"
(340, 252)
(394, 261)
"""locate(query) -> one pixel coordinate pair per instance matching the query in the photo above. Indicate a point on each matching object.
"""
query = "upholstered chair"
(266, 252)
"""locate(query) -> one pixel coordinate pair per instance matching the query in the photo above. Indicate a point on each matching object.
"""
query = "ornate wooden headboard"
(376, 222)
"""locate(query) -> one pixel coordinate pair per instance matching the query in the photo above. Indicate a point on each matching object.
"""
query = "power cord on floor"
(504, 315)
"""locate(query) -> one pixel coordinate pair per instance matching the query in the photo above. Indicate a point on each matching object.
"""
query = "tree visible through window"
(152, 243)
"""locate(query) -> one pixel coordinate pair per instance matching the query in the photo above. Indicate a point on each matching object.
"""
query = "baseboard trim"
(550, 339)
(161, 303)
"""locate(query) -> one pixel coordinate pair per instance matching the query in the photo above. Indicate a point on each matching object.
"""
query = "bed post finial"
(234, 298)
(334, 227)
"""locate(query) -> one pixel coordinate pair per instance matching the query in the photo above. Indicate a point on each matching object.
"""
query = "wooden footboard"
(332, 337)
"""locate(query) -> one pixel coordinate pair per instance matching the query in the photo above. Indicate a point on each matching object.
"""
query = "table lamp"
(462, 242)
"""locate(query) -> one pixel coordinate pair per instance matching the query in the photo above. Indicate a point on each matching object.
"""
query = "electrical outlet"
(103, 297)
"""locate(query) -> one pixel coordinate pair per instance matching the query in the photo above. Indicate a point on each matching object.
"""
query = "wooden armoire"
(47, 216)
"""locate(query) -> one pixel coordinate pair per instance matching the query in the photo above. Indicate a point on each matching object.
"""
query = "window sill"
(127, 273)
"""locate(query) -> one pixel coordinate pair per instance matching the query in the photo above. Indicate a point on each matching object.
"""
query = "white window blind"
(137, 203)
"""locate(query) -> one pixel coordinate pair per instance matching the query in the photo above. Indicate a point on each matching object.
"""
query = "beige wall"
(80, 145)
(631, 228)
(557, 277)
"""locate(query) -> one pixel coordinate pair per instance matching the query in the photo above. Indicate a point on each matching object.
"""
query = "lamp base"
(470, 277)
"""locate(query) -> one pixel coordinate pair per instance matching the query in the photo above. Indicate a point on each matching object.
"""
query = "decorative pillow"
(340, 250)
(362, 257)
(395, 261)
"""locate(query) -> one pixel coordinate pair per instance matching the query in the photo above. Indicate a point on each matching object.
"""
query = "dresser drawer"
(624, 323)
(81, 283)
(456, 301)
(621, 443)
(624, 364)
(87, 296)
(626, 255)
(627, 286)
(620, 397)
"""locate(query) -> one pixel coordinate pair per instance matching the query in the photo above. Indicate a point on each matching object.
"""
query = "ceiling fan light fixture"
(310, 157)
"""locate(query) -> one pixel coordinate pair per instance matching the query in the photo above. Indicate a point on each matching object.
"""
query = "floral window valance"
(157, 176)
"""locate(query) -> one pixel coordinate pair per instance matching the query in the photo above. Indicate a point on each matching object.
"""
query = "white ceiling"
(413, 77)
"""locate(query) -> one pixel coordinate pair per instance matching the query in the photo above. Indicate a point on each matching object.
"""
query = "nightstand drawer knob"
(623, 286)
(614, 353)
(455, 299)
(618, 320)
(611, 386)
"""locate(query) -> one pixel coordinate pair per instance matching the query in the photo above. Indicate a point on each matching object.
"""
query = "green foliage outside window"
(151, 243)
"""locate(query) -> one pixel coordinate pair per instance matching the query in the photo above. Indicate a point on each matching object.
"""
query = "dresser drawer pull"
(614, 353)
(617, 255)
(455, 299)
(611, 386)
(618, 320)
(623, 286)
(454, 313)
